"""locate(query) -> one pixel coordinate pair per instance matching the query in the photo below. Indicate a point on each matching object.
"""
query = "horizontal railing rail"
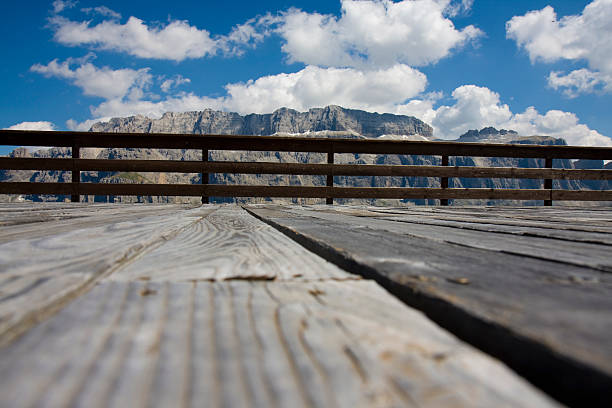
(300, 168)
(328, 146)
(296, 144)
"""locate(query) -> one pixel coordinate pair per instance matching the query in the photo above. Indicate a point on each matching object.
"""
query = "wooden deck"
(289, 306)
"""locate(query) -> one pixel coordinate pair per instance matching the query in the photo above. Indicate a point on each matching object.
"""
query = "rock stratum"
(331, 121)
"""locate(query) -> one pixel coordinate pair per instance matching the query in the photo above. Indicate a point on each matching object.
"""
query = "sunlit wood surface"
(289, 306)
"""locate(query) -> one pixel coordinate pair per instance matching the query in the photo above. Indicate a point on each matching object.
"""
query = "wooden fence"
(206, 143)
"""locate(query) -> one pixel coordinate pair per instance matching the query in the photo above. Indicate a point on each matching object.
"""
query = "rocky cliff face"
(332, 121)
(287, 121)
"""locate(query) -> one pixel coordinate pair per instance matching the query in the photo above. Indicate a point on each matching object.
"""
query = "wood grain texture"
(230, 244)
(33, 230)
(41, 273)
(563, 231)
(169, 305)
(265, 344)
(23, 222)
(595, 219)
(592, 215)
(549, 320)
(591, 255)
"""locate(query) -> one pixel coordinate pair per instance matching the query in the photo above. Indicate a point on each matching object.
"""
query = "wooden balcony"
(302, 305)
(330, 147)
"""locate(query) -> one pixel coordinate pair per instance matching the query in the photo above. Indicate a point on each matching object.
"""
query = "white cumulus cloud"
(363, 59)
(176, 41)
(61, 5)
(102, 82)
(380, 90)
(247, 35)
(583, 37)
(41, 125)
(183, 102)
(125, 91)
(316, 86)
(559, 124)
(477, 107)
(173, 82)
(453, 9)
(580, 81)
(384, 90)
(374, 32)
(102, 11)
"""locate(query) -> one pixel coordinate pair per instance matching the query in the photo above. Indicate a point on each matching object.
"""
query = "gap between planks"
(582, 254)
(483, 309)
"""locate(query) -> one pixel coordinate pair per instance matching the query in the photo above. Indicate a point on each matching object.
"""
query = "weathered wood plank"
(592, 221)
(580, 227)
(7, 163)
(534, 213)
(120, 213)
(543, 232)
(576, 219)
(582, 195)
(593, 216)
(492, 224)
(80, 212)
(296, 144)
(595, 221)
(549, 321)
(218, 190)
(230, 244)
(592, 255)
(332, 344)
(40, 274)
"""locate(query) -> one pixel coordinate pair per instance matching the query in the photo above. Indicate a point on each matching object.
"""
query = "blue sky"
(539, 67)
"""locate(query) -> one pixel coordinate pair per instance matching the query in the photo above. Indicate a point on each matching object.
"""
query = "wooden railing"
(206, 143)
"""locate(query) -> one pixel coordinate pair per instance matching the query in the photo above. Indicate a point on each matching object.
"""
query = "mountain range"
(282, 121)
(331, 121)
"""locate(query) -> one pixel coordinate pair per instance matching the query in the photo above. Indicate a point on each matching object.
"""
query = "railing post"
(330, 174)
(205, 180)
(548, 183)
(444, 181)
(76, 175)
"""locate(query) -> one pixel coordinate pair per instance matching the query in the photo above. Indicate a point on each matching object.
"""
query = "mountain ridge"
(283, 120)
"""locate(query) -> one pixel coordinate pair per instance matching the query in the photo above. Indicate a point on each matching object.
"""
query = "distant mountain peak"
(492, 135)
(488, 134)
